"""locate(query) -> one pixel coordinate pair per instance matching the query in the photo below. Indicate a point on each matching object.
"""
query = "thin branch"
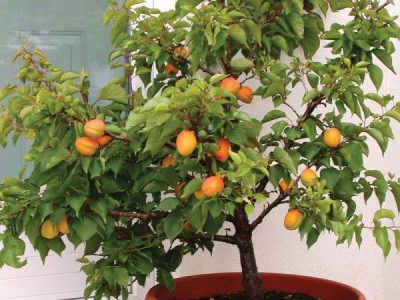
(278, 201)
(246, 79)
(145, 217)
(384, 5)
(292, 109)
(228, 239)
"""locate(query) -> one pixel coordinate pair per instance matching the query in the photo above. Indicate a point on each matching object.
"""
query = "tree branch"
(145, 217)
(266, 211)
(383, 5)
(228, 239)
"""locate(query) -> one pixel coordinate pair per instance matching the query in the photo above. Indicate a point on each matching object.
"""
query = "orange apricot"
(86, 146)
(103, 140)
(332, 137)
(167, 161)
(308, 177)
(213, 186)
(231, 84)
(63, 225)
(246, 94)
(94, 128)
(222, 154)
(49, 230)
(186, 142)
(293, 219)
(284, 187)
(171, 69)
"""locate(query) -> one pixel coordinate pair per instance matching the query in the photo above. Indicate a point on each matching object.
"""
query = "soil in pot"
(268, 295)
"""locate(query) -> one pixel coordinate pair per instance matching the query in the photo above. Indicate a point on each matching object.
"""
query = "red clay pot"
(225, 283)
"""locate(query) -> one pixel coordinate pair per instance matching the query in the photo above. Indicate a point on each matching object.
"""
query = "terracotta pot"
(224, 283)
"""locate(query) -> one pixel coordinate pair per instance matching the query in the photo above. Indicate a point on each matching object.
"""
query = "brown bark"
(252, 283)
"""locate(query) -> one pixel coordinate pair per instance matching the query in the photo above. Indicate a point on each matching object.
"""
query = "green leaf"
(85, 228)
(376, 75)
(249, 209)
(69, 76)
(238, 34)
(340, 4)
(168, 204)
(312, 237)
(331, 176)
(76, 202)
(272, 115)
(397, 239)
(114, 93)
(352, 153)
(310, 95)
(382, 239)
(173, 225)
(285, 159)
(254, 29)
(296, 23)
(192, 186)
(384, 214)
(100, 206)
(241, 64)
(395, 189)
(385, 58)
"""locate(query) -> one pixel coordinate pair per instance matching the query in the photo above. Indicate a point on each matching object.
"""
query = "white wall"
(278, 250)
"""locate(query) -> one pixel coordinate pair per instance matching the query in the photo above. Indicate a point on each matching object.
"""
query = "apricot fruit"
(94, 128)
(308, 177)
(186, 142)
(246, 94)
(222, 154)
(188, 227)
(171, 69)
(284, 187)
(86, 146)
(63, 225)
(213, 186)
(200, 195)
(49, 230)
(293, 219)
(332, 137)
(231, 84)
(103, 140)
(180, 53)
(167, 161)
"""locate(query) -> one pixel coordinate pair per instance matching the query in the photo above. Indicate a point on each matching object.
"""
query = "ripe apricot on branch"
(171, 69)
(180, 53)
(200, 195)
(86, 146)
(48, 230)
(167, 161)
(284, 187)
(246, 94)
(213, 186)
(103, 140)
(308, 177)
(63, 225)
(231, 84)
(94, 128)
(293, 219)
(186, 142)
(188, 227)
(332, 137)
(222, 154)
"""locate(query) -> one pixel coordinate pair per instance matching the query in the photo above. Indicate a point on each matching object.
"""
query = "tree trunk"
(252, 283)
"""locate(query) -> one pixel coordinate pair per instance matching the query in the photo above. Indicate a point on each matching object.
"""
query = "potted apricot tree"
(143, 177)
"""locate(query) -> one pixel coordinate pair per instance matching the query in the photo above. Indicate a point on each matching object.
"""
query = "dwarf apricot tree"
(186, 132)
